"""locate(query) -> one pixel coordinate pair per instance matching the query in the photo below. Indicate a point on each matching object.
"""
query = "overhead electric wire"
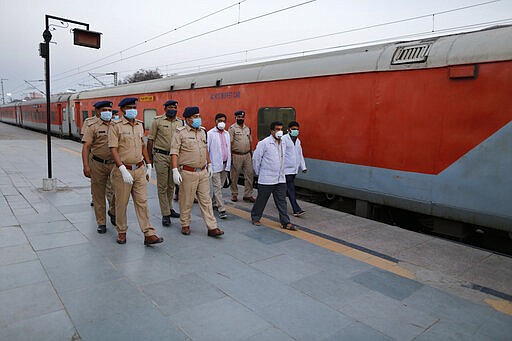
(191, 38)
(294, 41)
(155, 37)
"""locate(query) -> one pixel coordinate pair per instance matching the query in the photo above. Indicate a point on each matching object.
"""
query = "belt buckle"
(134, 166)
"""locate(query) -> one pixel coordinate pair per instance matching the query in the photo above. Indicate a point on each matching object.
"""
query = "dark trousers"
(290, 192)
(278, 191)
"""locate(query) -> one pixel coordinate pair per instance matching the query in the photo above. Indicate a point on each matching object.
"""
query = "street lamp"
(82, 38)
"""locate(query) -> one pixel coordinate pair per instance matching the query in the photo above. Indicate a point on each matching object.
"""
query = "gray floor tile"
(250, 251)
(21, 274)
(78, 266)
(223, 319)
(34, 229)
(26, 302)
(149, 270)
(305, 318)
(387, 283)
(387, 315)
(447, 306)
(187, 291)
(54, 326)
(271, 334)
(254, 291)
(12, 236)
(54, 240)
(16, 254)
(285, 268)
(267, 235)
(495, 326)
(325, 285)
(358, 331)
(8, 220)
(450, 331)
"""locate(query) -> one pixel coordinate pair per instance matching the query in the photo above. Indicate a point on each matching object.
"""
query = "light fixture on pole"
(80, 37)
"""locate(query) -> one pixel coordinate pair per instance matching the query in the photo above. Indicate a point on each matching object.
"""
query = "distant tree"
(142, 75)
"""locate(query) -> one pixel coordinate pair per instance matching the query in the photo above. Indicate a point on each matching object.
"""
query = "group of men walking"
(187, 158)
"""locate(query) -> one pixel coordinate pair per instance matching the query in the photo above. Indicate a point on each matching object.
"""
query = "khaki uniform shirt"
(190, 146)
(86, 124)
(162, 131)
(96, 133)
(240, 138)
(128, 140)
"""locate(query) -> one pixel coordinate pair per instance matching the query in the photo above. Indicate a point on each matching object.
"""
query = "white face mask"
(221, 125)
(279, 134)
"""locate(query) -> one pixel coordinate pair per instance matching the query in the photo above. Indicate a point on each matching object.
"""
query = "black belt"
(161, 151)
(237, 153)
(105, 162)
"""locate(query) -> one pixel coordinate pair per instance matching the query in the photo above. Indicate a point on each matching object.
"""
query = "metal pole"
(47, 37)
(2, 82)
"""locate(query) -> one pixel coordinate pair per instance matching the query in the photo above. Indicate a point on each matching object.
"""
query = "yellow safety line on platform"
(331, 245)
(500, 305)
(70, 151)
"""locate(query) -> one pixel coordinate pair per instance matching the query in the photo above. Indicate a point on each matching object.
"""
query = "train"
(421, 125)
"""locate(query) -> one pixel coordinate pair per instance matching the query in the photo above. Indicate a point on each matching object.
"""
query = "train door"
(58, 119)
(268, 115)
(149, 115)
(19, 116)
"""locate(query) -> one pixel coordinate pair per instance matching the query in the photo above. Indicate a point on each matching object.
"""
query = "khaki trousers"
(242, 163)
(218, 180)
(138, 192)
(165, 183)
(196, 184)
(101, 187)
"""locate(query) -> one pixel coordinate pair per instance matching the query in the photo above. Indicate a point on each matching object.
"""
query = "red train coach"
(419, 125)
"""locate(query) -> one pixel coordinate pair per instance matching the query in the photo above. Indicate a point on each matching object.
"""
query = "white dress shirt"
(215, 149)
(268, 162)
(293, 158)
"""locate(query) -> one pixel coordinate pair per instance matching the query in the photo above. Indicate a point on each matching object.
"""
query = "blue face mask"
(196, 122)
(116, 118)
(294, 132)
(106, 115)
(130, 114)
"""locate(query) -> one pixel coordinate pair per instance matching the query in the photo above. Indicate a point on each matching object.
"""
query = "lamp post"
(81, 37)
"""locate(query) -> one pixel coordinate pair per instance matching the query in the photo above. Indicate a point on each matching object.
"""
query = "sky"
(195, 35)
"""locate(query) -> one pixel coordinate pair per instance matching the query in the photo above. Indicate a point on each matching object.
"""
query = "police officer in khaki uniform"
(126, 143)
(97, 161)
(159, 144)
(189, 152)
(241, 157)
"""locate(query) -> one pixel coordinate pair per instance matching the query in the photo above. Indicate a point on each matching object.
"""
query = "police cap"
(190, 111)
(127, 101)
(102, 104)
(171, 102)
(240, 113)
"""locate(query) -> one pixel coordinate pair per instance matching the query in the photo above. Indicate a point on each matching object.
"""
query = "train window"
(85, 114)
(269, 115)
(149, 115)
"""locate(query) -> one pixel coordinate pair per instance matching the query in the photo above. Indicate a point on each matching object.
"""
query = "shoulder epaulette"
(180, 128)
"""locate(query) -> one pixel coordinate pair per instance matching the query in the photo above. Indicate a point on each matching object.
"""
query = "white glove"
(176, 176)
(149, 167)
(127, 177)
(210, 170)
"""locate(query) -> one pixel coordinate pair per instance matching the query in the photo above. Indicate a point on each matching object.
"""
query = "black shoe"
(101, 229)
(166, 220)
(174, 214)
(112, 218)
(223, 215)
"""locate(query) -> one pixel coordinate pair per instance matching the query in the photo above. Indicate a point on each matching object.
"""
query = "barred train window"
(269, 115)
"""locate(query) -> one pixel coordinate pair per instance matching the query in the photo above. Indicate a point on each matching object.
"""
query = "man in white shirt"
(219, 147)
(268, 163)
(293, 162)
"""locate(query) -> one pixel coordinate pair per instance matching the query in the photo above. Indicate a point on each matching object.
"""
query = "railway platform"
(339, 277)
